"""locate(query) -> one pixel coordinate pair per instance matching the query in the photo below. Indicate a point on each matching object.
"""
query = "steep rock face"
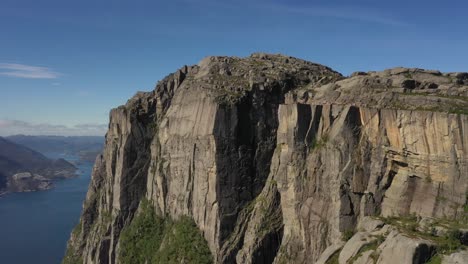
(118, 180)
(274, 158)
(345, 162)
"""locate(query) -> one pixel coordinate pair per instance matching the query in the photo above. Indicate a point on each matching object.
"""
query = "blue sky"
(65, 64)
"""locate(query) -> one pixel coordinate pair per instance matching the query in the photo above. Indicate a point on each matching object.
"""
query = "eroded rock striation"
(277, 159)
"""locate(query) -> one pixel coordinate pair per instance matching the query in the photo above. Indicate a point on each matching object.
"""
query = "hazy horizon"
(17, 127)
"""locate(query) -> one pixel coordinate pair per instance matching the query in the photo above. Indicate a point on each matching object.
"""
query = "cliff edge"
(273, 159)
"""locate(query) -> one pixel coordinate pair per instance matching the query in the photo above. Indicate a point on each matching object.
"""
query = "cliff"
(278, 160)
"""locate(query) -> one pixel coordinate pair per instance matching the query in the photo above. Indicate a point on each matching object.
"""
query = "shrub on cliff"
(153, 239)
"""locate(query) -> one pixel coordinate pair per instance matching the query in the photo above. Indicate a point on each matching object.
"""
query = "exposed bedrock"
(276, 159)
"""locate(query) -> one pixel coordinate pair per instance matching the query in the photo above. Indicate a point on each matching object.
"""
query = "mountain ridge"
(59, 144)
(23, 169)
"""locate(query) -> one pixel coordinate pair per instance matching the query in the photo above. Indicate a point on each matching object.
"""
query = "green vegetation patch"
(319, 143)
(142, 238)
(446, 244)
(347, 235)
(183, 243)
(436, 259)
(371, 246)
(153, 239)
(229, 98)
(458, 111)
(71, 259)
(71, 255)
(154, 126)
(435, 95)
(77, 230)
(465, 209)
(455, 107)
(408, 75)
(334, 258)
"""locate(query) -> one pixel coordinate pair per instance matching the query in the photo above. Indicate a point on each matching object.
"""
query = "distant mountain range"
(23, 169)
(86, 147)
(59, 144)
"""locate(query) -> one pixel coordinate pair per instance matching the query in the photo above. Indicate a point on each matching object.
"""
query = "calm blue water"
(35, 227)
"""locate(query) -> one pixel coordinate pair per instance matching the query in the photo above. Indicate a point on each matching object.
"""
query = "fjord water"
(35, 226)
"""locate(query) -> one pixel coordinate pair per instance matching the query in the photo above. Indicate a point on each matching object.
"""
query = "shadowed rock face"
(274, 158)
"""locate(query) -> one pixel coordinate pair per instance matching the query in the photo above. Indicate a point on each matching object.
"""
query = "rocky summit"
(273, 159)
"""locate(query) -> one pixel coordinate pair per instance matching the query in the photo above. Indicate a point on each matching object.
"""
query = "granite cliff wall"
(275, 159)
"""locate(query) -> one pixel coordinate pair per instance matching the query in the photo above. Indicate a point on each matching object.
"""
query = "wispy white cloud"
(14, 127)
(27, 71)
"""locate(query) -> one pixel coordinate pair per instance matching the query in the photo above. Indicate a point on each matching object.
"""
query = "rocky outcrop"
(398, 240)
(275, 159)
(27, 182)
(456, 258)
